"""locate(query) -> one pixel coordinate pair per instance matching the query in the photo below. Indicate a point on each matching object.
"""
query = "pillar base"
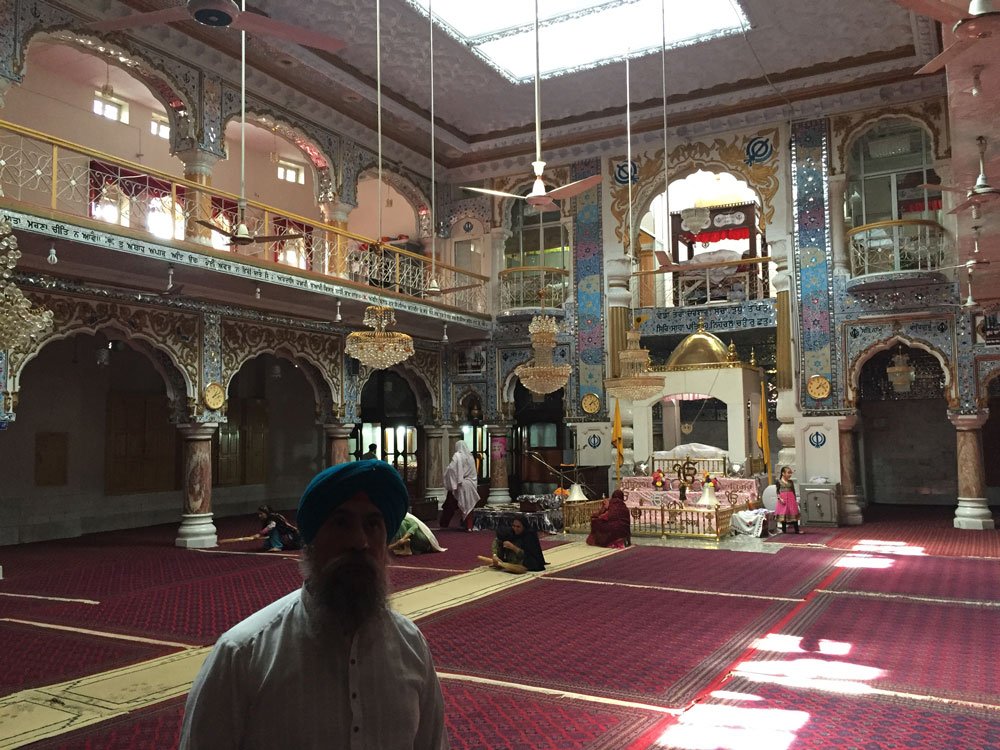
(850, 511)
(973, 513)
(436, 495)
(499, 496)
(197, 531)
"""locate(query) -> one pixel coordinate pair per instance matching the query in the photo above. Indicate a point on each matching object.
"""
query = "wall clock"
(818, 387)
(591, 403)
(214, 396)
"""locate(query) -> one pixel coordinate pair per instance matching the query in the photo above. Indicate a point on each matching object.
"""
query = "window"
(121, 196)
(164, 219)
(110, 107)
(291, 172)
(160, 126)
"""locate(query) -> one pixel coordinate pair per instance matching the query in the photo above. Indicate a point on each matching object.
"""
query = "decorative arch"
(414, 194)
(318, 356)
(987, 370)
(846, 129)
(469, 391)
(854, 369)
(722, 155)
(177, 99)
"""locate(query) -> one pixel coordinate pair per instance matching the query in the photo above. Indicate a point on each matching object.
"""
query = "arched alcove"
(390, 418)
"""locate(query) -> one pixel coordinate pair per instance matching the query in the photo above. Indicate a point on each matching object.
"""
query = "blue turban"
(338, 484)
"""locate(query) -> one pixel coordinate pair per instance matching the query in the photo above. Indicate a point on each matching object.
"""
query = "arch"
(987, 370)
(854, 369)
(313, 373)
(427, 402)
(848, 128)
(414, 194)
(178, 102)
(176, 383)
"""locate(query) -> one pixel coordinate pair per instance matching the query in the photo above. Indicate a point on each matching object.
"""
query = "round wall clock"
(818, 387)
(591, 403)
(214, 396)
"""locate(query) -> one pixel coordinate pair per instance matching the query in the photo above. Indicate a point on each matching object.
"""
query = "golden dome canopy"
(700, 349)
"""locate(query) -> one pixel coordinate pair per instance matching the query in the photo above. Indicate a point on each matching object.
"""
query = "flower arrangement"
(709, 479)
(561, 492)
(658, 479)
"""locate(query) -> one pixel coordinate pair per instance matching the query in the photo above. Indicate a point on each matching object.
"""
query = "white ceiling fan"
(538, 196)
(223, 13)
(979, 194)
(981, 22)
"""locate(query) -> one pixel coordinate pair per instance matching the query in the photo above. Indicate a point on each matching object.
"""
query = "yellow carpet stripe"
(675, 589)
(50, 598)
(100, 633)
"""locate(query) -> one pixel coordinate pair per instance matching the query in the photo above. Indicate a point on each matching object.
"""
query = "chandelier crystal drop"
(379, 349)
(20, 321)
(635, 383)
(542, 376)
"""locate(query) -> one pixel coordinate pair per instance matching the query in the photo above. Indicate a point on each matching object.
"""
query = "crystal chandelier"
(20, 321)
(901, 372)
(635, 383)
(542, 376)
(379, 348)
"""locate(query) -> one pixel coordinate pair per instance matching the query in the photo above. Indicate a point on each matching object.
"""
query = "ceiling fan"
(223, 13)
(981, 22)
(538, 197)
(980, 193)
(240, 235)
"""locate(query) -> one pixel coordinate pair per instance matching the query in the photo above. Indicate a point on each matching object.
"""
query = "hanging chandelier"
(635, 383)
(20, 321)
(379, 348)
(542, 376)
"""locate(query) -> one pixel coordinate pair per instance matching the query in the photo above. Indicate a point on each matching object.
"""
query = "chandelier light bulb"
(53, 258)
(444, 336)
(256, 293)
(337, 318)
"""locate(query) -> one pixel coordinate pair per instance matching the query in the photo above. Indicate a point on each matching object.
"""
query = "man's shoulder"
(261, 620)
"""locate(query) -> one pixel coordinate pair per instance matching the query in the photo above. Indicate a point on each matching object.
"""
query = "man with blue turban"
(329, 665)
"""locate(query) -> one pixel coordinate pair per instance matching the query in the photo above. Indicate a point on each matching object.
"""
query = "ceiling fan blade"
(138, 20)
(948, 188)
(487, 191)
(253, 23)
(174, 290)
(949, 54)
(212, 226)
(277, 237)
(575, 188)
(946, 13)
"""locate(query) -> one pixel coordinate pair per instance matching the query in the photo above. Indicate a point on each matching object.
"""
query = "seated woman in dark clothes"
(279, 533)
(611, 526)
(517, 550)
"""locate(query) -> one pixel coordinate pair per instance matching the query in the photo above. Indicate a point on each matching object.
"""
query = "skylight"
(579, 34)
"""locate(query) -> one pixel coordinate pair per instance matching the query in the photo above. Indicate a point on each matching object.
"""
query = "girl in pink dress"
(787, 507)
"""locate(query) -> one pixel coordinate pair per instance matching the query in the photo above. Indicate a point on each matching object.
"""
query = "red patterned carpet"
(154, 728)
(629, 644)
(790, 572)
(36, 656)
(943, 577)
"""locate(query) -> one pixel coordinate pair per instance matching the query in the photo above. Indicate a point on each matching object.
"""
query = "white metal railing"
(70, 180)
(533, 286)
(903, 245)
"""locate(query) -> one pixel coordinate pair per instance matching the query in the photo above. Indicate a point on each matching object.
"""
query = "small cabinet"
(818, 504)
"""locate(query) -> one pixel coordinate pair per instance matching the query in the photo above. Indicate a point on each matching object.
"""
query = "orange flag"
(763, 434)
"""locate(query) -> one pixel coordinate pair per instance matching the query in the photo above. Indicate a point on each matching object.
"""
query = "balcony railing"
(896, 246)
(712, 283)
(533, 286)
(57, 176)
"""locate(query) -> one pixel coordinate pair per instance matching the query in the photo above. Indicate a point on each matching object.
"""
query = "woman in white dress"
(461, 480)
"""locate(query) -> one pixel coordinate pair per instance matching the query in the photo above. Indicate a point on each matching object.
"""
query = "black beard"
(350, 590)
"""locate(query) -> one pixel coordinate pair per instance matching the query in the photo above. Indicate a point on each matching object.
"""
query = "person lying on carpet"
(414, 538)
(516, 550)
(276, 529)
(611, 526)
(331, 659)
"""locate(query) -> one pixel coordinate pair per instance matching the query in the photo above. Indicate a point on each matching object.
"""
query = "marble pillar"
(787, 407)
(437, 460)
(619, 272)
(335, 214)
(197, 529)
(973, 510)
(850, 506)
(198, 166)
(337, 436)
(838, 240)
(499, 445)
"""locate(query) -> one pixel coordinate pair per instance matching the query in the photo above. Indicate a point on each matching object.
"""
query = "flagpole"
(766, 435)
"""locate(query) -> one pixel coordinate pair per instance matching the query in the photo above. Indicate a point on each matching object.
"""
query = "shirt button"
(354, 661)
(357, 729)
(354, 696)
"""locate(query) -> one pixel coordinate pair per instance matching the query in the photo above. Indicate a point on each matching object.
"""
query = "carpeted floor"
(152, 728)
(943, 577)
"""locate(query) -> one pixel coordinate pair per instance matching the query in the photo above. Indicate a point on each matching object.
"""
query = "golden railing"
(903, 245)
(671, 519)
(533, 286)
(710, 283)
(72, 181)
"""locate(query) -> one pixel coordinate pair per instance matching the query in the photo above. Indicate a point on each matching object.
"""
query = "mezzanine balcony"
(897, 253)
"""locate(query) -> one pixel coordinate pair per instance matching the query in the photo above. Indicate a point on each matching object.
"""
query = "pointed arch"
(855, 367)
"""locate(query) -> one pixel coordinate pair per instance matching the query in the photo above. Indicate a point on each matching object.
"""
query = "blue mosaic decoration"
(813, 260)
(211, 360)
(588, 272)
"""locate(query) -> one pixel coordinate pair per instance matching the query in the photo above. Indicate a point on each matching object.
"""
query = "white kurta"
(462, 479)
(271, 681)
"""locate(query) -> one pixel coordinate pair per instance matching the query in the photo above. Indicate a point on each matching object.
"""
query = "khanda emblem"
(594, 440)
(758, 150)
(817, 439)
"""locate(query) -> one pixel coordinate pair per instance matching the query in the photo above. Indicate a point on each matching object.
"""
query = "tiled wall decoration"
(813, 261)
(588, 276)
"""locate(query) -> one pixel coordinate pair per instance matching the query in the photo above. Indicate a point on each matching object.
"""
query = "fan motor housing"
(214, 12)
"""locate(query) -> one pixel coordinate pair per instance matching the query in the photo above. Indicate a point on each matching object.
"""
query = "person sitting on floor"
(516, 550)
(414, 538)
(611, 526)
(275, 528)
